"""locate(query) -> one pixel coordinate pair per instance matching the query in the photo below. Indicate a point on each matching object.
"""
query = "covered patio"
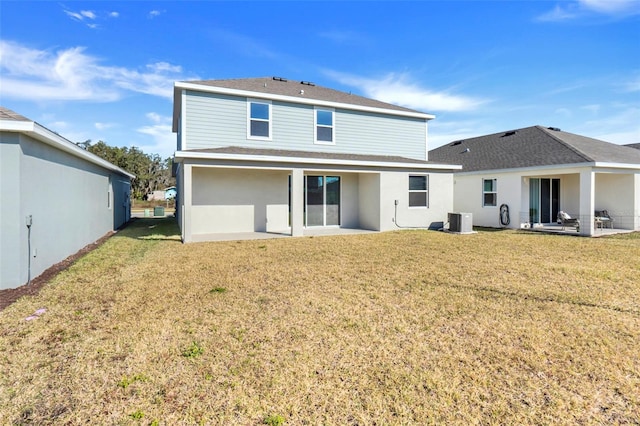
(585, 194)
(242, 194)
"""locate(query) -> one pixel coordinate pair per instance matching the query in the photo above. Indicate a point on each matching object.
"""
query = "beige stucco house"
(536, 172)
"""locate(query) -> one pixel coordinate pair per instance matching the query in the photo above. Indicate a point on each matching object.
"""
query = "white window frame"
(425, 191)
(495, 192)
(316, 125)
(249, 119)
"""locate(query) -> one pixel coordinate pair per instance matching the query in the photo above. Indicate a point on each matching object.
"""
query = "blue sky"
(105, 70)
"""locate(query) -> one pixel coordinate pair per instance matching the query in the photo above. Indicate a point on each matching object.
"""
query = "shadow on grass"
(152, 229)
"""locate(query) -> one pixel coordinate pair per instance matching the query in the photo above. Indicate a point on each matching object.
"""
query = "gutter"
(180, 156)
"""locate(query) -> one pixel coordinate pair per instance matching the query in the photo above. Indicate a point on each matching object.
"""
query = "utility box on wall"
(461, 223)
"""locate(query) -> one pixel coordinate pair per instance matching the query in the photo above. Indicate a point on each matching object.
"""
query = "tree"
(151, 171)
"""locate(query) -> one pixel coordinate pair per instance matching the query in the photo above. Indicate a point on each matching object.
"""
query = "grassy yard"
(410, 327)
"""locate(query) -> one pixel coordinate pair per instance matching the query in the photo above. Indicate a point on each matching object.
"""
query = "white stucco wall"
(238, 200)
(395, 186)
(612, 194)
(369, 200)
(613, 189)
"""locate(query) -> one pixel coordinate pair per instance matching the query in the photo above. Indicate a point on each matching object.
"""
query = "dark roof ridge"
(547, 131)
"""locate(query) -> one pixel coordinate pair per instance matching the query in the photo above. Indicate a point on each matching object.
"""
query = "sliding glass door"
(321, 200)
(314, 200)
(544, 200)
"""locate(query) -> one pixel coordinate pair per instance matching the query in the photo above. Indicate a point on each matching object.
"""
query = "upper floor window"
(489, 193)
(325, 126)
(418, 191)
(259, 120)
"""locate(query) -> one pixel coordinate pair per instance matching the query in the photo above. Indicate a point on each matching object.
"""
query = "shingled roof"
(311, 155)
(7, 114)
(634, 145)
(531, 147)
(298, 89)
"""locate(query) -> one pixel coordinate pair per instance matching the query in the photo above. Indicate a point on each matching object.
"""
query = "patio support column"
(187, 201)
(297, 202)
(587, 201)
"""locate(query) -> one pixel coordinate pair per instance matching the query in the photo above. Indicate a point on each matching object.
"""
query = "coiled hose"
(504, 215)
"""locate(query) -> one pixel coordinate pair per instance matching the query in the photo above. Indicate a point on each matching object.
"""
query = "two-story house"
(271, 155)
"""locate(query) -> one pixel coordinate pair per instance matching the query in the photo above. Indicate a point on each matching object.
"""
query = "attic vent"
(307, 83)
(557, 129)
(510, 133)
(279, 79)
(456, 143)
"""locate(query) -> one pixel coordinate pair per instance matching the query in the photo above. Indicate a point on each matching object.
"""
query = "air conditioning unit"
(461, 223)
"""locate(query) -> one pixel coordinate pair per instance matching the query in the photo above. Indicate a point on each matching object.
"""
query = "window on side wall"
(418, 191)
(489, 193)
(259, 120)
(325, 130)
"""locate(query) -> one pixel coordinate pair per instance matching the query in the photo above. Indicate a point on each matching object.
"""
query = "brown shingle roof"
(7, 114)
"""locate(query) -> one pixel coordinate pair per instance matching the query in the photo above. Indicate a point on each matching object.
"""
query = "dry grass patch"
(409, 327)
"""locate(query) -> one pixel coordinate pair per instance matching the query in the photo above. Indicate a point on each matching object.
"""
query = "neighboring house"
(55, 198)
(539, 171)
(273, 155)
(170, 193)
(162, 194)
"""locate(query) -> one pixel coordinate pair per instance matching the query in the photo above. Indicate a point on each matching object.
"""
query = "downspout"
(29, 221)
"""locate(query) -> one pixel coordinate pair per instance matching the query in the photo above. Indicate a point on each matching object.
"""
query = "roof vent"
(279, 79)
(510, 133)
(307, 83)
(556, 129)
(456, 143)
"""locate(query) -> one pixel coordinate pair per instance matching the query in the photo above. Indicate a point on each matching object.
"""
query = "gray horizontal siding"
(214, 121)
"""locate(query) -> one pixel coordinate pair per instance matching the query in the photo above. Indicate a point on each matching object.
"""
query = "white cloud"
(155, 13)
(612, 7)
(104, 126)
(583, 8)
(164, 66)
(564, 112)
(164, 140)
(88, 14)
(633, 85)
(559, 13)
(399, 90)
(114, 14)
(618, 124)
(156, 118)
(593, 109)
(71, 74)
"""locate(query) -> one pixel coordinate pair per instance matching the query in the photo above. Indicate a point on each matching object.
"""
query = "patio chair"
(603, 219)
(565, 220)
